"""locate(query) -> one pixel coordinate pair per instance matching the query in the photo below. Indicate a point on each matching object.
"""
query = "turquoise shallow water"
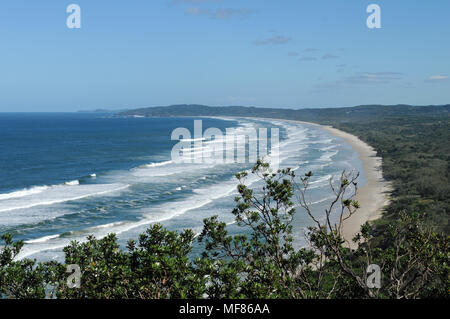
(65, 176)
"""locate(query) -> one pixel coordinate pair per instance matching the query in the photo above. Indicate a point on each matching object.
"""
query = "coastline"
(372, 196)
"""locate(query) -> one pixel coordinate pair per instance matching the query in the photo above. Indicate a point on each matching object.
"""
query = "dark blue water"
(52, 148)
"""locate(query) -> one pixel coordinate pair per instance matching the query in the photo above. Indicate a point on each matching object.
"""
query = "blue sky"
(299, 53)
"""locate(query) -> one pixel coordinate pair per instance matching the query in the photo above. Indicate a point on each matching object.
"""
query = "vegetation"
(265, 264)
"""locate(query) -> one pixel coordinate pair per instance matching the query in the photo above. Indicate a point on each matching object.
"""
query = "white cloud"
(366, 78)
(329, 56)
(311, 50)
(222, 14)
(437, 78)
(307, 58)
(279, 39)
(194, 1)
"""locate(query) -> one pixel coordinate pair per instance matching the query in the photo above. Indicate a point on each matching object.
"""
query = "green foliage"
(416, 157)
(415, 265)
(20, 279)
(160, 265)
(156, 267)
(263, 265)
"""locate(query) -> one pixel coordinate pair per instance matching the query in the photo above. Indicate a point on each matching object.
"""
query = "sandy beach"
(372, 196)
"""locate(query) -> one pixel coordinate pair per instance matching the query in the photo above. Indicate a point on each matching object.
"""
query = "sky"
(268, 53)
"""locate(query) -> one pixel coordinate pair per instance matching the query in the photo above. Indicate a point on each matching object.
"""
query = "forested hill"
(195, 110)
(412, 140)
(326, 114)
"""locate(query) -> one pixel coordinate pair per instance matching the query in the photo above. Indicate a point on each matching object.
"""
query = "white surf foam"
(192, 139)
(327, 156)
(41, 240)
(322, 179)
(72, 183)
(328, 147)
(59, 194)
(24, 192)
(158, 164)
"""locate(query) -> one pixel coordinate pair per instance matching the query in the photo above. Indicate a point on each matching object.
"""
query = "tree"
(21, 278)
(413, 262)
(158, 266)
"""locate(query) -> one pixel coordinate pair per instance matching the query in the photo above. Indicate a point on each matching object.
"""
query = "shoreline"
(372, 196)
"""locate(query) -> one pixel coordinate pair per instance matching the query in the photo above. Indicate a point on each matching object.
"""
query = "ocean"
(64, 176)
